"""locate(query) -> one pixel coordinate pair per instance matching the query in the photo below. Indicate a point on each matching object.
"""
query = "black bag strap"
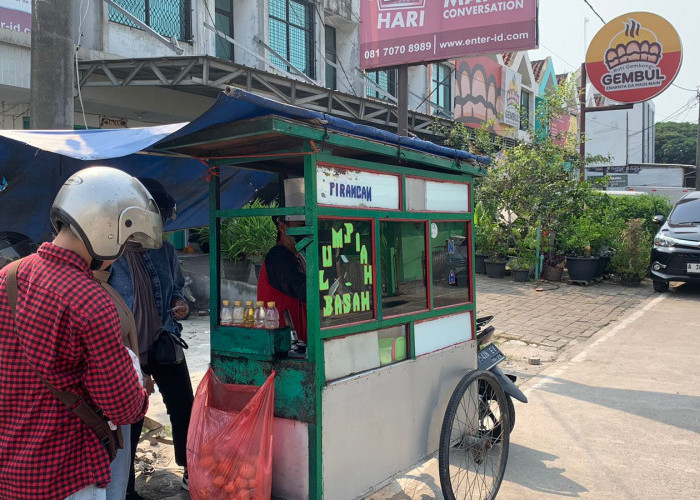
(71, 400)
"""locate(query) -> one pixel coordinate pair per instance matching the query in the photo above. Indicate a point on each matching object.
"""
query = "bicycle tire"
(481, 437)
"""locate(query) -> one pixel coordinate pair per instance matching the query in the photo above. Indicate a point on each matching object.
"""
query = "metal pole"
(582, 124)
(403, 100)
(53, 67)
(697, 150)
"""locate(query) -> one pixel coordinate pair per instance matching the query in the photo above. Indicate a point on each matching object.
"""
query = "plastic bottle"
(259, 314)
(226, 313)
(237, 313)
(272, 317)
(249, 314)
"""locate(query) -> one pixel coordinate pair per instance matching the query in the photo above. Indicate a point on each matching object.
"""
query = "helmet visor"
(143, 226)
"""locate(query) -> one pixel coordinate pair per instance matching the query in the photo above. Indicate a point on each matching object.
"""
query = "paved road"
(617, 418)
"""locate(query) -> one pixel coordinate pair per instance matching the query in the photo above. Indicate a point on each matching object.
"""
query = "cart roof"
(34, 164)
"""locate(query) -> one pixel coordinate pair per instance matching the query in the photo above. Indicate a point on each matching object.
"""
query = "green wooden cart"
(390, 296)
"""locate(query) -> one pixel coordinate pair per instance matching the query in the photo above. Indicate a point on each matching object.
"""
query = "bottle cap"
(226, 302)
(249, 302)
(259, 303)
(270, 304)
(236, 302)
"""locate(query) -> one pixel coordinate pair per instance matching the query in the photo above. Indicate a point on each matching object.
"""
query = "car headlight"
(661, 240)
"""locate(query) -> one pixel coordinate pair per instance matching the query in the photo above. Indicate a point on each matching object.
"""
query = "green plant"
(495, 245)
(248, 237)
(582, 237)
(631, 259)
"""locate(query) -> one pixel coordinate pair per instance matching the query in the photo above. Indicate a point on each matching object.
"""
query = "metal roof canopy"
(207, 76)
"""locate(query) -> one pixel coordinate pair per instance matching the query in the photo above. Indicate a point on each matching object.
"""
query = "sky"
(563, 38)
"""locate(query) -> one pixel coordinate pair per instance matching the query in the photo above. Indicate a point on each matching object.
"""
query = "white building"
(296, 51)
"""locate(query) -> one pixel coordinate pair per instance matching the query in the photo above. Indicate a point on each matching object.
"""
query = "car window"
(686, 211)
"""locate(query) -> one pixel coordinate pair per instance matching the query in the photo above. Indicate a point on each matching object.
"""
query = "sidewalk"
(618, 418)
(529, 324)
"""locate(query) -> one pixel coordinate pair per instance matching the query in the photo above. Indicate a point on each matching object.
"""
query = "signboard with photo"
(512, 86)
(396, 32)
(634, 57)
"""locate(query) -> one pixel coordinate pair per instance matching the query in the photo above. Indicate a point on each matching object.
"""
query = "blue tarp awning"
(34, 164)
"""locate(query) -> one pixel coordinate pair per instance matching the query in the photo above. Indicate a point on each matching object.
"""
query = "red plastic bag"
(229, 443)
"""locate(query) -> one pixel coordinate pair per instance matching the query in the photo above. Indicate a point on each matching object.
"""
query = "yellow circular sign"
(634, 57)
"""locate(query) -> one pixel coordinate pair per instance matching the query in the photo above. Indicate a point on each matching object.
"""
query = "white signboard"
(343, 187)
(512, 85)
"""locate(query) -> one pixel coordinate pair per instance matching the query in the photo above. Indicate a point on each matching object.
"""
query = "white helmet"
(105, 207)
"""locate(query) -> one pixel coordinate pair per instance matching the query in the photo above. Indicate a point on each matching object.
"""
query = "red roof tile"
(538, 68)
(508, 57)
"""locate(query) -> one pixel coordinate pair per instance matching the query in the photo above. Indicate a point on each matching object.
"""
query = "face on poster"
(634, 57)
(394, 32)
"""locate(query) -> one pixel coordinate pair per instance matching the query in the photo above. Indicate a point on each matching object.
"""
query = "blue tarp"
(34, 164)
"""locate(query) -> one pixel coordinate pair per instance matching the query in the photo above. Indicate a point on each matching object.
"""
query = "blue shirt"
(167, 282)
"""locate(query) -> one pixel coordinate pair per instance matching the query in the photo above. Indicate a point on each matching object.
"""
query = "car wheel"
(661, 286)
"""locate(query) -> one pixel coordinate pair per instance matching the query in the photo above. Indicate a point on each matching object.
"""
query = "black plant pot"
(495, 269)
(479, 267)
(521, 275)
(602, 268)
(582, 268)
(552, 273)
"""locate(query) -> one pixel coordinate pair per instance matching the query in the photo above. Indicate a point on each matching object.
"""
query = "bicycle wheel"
(474, 439)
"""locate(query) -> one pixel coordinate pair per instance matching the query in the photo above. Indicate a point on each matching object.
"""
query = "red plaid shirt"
(69, 330)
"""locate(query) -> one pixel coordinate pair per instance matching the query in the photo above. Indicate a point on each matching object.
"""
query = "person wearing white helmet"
(66, 330)
(151, 283)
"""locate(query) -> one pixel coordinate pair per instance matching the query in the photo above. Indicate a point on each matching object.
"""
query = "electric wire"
(594, 11)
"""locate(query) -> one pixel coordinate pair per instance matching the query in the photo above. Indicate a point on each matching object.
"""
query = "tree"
(676, 142)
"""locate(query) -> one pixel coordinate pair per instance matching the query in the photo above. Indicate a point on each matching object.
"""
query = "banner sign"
(394, 32)
(512, 82)
(16, 15)
(342, 187)
(634, 57)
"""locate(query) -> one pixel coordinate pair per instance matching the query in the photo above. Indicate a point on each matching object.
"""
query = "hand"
(180, 309)
(148, 384)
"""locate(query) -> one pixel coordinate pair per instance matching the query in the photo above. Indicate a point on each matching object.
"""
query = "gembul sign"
(634, 57)
(394, 32)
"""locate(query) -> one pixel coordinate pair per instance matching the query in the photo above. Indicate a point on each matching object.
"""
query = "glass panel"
(403, 267)
(450, 261)
(331, 57)
(278, 41)
(298, 14)
(346, 271)
(225, 5)
(298, 54)
(277, 9)
(167, 18)
(224, 49)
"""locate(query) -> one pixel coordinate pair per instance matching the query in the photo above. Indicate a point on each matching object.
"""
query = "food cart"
(390, 293)
(388, 245)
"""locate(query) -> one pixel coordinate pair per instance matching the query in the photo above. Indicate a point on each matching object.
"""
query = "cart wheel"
(474, 439)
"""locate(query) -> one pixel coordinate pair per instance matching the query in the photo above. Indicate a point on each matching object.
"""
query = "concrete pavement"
(617, 417)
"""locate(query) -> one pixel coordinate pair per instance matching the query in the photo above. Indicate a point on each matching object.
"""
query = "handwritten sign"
(342, 187)
(349, 257)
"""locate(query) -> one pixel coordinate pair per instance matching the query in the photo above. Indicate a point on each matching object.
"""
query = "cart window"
(393, 344)
(433, 196)
(346, 271)
(404, 285)
(450, 261)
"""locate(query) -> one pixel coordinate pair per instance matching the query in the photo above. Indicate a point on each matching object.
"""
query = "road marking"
(584, 354)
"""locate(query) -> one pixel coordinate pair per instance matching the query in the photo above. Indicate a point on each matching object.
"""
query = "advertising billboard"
(395, 32)
(16, 15)
(634, 57)
(512, 83)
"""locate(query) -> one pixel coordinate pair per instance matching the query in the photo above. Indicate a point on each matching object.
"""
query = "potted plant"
(481, 229)
(631, 260)
(495, 248)
(246, 240)
(522, 264)
(576, 242)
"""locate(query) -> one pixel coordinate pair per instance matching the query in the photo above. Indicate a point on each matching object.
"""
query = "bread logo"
(634, 57)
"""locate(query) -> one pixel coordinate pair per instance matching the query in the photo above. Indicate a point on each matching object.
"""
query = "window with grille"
(292, 35)
(331, 56)
(170, 18)
(385, 80)
(223, 12)
(441, 87)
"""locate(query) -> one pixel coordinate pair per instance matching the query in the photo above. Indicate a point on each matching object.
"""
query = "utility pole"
(697, 148)
(53, 65)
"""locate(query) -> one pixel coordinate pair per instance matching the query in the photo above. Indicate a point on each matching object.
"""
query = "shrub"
(631, 260)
